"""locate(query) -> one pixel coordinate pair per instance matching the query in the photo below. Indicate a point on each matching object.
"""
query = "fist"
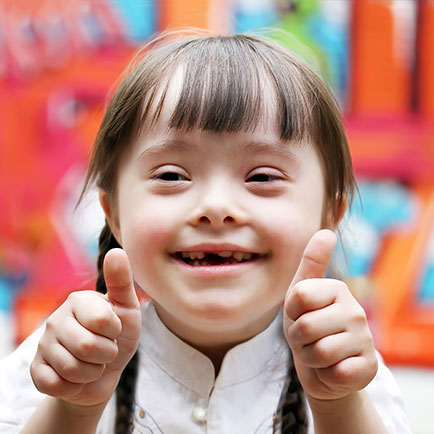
(326, 328)
(90, 338)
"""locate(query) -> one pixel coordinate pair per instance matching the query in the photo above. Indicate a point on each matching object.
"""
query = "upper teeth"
(238, 256)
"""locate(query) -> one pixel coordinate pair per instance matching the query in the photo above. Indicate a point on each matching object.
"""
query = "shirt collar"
(192, 368)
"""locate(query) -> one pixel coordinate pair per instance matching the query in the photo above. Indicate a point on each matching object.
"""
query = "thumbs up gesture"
(326, 328)
(90, 338)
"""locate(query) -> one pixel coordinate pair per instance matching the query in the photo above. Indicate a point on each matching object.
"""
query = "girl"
(223, 171)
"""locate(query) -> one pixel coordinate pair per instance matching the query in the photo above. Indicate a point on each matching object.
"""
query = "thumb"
(316, 256)
(119, 279)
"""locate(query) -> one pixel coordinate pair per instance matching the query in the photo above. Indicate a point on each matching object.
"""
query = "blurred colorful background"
(58, 62)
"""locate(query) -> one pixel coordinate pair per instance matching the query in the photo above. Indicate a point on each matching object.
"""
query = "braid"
(292, 418)
(125, 393)
(125, 390)
(106, 242)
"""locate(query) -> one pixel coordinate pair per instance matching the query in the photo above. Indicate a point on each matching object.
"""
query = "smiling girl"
(223, 171)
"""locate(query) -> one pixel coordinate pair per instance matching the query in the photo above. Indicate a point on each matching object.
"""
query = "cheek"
(145, 236)
(288, 241)
(288, 230)
(143, 220)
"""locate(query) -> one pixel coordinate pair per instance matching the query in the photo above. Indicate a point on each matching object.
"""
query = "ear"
(111, 215)
(332, 217)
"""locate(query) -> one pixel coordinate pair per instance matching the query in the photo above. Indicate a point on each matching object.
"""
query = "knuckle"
(50, 325)
(304, 327)
(367, 342)
(341, 373)
(289, 334)
(108, 352)
(130, 346)
(84, 293)
(52, 385)
(34, 372)
(341, 287)
(112, 352)
(102, 319)
(74, 296)
(359, 315)
(48, 381)
(42, 345)
(322, 352)
(87, 347)
(70, 371)
(96, 373)
(372, 366)
(301, 295)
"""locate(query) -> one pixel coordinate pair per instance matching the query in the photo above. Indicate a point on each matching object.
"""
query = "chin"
(213, 316)
(215, 311)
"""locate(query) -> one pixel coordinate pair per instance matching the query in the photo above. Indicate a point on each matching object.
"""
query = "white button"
(199, 414)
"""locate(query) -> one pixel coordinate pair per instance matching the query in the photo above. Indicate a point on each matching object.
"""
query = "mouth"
(224, 258)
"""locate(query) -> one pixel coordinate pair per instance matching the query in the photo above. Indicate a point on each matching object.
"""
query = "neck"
(215, 354)
(215, 341)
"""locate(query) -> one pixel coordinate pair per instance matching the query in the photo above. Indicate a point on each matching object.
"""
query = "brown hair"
(225, 81)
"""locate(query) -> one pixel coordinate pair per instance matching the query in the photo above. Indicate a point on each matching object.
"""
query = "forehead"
(223, 149)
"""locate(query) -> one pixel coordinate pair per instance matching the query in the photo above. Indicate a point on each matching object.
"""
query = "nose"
(217, 206)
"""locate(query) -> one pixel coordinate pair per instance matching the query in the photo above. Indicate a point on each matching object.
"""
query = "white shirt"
(177, 386)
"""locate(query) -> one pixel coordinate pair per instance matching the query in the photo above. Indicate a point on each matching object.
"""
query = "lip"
(216, 248)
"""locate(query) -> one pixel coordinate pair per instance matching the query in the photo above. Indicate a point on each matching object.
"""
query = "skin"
(201, 191)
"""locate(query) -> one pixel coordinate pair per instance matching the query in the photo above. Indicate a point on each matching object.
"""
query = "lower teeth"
(204, 264)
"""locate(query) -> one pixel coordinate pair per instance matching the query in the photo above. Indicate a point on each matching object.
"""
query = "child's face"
(242, 198)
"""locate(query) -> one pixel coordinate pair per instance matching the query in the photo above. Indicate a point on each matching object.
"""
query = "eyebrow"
(263, 147)
(173, 145)
(267, 147)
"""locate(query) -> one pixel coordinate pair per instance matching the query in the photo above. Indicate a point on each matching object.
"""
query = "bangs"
(230, 84)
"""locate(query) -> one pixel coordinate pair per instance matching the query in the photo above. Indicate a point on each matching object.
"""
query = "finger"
(85, 345)
(316, 256)
(71, 369)
(313, 294)
(315, 325)
(95, 313)
(351, 373)
(48, 381)
(330, 350)
(119, 279)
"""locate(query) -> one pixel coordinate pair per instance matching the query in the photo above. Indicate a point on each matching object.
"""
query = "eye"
(267, 181)
(262, 177)
(265, 175)
(170, 174)
(169, 177)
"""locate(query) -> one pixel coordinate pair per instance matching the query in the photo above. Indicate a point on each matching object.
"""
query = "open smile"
(223, 258)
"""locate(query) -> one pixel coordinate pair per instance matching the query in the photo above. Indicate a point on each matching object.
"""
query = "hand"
(89, 339)
(326, 328)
